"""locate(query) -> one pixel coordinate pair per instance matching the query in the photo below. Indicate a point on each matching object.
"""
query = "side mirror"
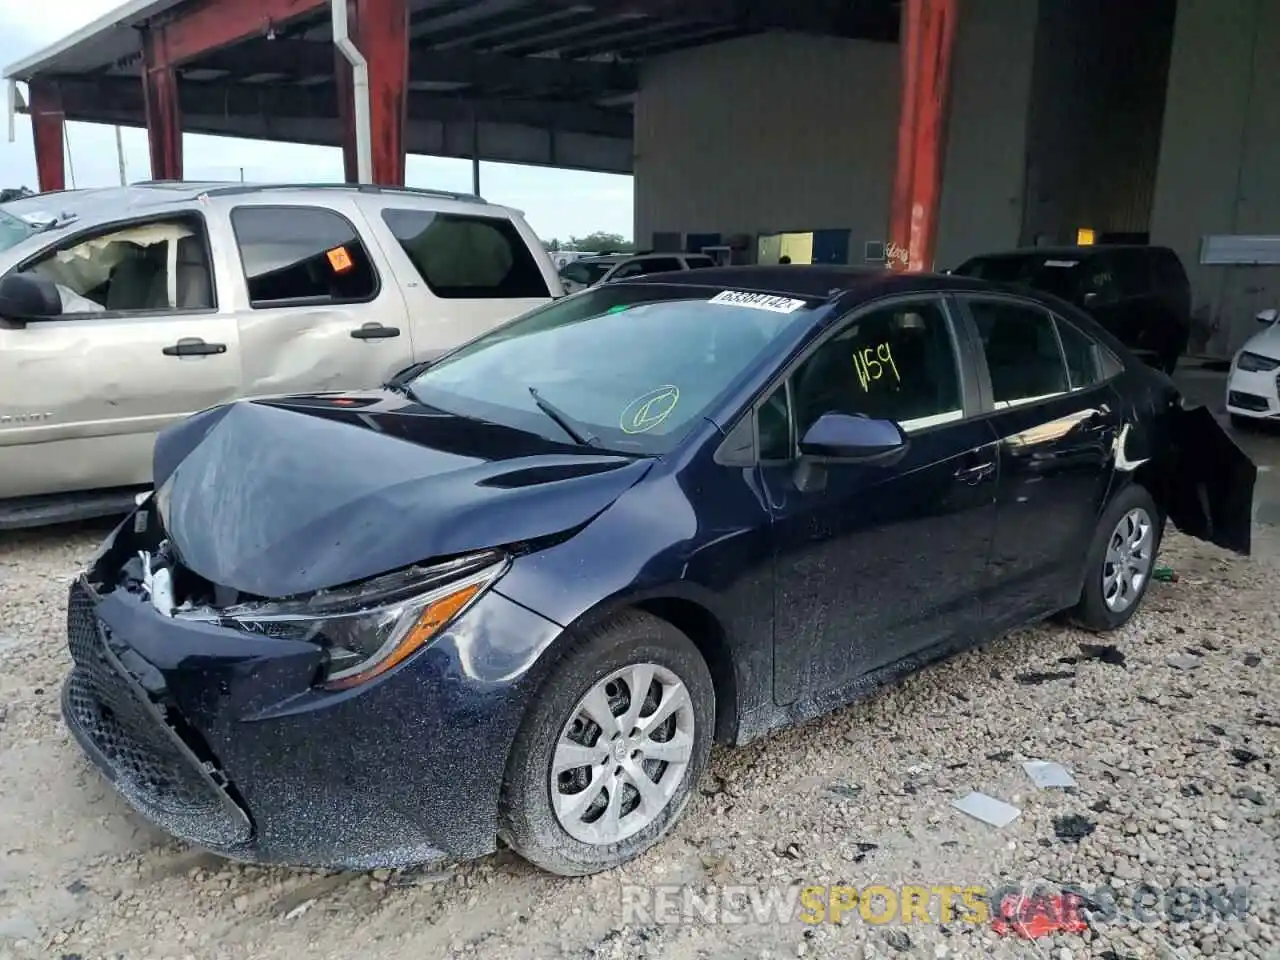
(840, 436)
(24, 297)
(1268, 316)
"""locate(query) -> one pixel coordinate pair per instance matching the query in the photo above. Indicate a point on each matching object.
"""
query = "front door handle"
(374, 331)
(193, 347)
(977, 473)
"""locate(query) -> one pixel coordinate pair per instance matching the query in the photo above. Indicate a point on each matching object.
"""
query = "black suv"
(1139, 293)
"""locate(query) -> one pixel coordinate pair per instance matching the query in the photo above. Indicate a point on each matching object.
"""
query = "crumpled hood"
(287, 497)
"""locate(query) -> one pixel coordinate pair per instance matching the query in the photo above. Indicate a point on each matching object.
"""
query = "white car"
(588, 271)
(1253, 388)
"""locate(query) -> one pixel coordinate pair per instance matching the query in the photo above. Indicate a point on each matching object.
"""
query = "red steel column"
(928, 37)
(47, 123)
(164, 116)
(380, 31)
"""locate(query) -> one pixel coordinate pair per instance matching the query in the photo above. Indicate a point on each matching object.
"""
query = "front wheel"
(1121, 561)
(611, 749)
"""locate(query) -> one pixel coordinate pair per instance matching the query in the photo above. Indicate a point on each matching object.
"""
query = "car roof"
(817, 281)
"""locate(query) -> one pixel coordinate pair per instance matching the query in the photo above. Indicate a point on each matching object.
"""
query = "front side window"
(1021, 346)
(584, 272)
(897, 363)
(302, 255)
(635, 368)
(161, 265)
(468, 257)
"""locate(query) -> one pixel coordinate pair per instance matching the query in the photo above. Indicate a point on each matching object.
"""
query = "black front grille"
(1246, 401)
(143, 753)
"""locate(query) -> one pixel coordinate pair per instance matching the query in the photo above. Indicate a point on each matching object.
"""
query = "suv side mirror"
(843, 437)
(24, 297)
(1268, 316)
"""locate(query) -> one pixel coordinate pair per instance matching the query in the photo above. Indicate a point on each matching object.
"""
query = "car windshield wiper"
(563, 420)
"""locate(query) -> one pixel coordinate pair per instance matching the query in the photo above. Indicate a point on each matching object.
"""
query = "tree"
(600, 240)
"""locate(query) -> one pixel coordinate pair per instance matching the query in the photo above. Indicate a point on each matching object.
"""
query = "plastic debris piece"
(1045, 774)
(1039, 915)
(1165, 574)
(989, 810)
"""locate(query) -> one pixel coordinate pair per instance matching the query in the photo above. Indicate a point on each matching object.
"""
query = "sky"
(557, 203)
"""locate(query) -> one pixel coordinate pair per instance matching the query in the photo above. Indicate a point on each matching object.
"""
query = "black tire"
(527, 821)
(1092, 612)
(1241, 423)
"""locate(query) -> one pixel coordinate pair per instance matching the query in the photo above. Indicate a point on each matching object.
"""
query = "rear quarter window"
(302, 255)
(466, 257)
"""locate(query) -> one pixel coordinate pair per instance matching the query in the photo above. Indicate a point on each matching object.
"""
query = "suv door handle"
(193, 347)
(977, 473)
(374, 331)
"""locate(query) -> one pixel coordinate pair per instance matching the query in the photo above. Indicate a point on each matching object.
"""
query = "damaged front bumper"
(222, 738)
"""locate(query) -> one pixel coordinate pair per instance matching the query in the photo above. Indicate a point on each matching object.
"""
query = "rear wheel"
(1121, 561)
(608, 755)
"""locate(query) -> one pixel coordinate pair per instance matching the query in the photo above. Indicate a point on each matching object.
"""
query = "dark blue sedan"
(518, 595)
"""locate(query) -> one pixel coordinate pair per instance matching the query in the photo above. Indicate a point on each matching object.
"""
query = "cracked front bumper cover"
(221, 738)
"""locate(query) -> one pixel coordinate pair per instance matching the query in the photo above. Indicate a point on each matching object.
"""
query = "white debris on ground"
(1174, 751)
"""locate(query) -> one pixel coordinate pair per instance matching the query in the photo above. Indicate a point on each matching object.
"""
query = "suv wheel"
(608, 755)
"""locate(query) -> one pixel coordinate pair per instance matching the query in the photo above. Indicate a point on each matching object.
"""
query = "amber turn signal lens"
(434, 616)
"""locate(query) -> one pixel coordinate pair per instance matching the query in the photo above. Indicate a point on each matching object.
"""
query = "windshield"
(13, 230)
(628, 368)
(584, 273)
(1057, 275)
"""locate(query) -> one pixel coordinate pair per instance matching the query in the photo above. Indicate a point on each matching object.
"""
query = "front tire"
(609, 753)
(1121, 561)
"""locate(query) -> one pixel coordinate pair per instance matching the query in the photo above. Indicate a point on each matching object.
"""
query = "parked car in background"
(589, 271)
(520, 595)
(1139, 293)
(1253, 386)
(128, 309)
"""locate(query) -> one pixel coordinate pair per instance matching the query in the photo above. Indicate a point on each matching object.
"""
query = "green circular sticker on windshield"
(649, 410)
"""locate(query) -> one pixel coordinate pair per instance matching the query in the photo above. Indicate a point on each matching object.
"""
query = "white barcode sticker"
(757, 301)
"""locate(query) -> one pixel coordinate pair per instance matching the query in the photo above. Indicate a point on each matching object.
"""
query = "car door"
(1057, 423)
(141, 342)
(462, 273)
(877, 562)
(314, 312)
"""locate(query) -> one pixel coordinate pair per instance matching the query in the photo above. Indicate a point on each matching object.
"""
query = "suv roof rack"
(232, 189)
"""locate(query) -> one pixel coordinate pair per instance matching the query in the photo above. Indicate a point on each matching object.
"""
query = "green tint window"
(631, 368)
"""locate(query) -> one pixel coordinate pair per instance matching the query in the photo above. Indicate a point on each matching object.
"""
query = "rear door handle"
(977, 473)
(374, 331)
(193, 347)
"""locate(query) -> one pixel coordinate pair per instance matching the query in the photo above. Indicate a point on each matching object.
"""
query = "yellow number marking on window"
(870, 363)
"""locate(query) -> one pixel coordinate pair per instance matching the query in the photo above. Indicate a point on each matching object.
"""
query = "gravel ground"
(1172, 750)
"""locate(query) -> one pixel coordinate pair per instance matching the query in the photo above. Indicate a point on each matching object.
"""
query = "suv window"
(1083, 356)
(896, 363)
(584, 272)
(465, 257)
(161, 265)
(1023, 356)
(1132, 272)
(1167, 270)
(698, 262)
(637, 268)
(302, 254)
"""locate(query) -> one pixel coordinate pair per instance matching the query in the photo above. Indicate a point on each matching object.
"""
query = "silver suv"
(123, 310)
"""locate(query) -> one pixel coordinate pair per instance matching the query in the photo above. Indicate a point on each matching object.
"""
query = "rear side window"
(1084, 362)
(302, 255)
(696, 263)
(638, 268)
(1023, 356)
(463, 257)
(1132, 274)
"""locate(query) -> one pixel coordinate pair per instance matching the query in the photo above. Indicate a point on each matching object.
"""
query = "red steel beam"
(202, 26)
(928, 40)
(380, 31)
(160, 99)
(47, 126)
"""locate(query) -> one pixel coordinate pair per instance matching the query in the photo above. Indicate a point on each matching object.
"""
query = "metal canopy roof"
(526, 81)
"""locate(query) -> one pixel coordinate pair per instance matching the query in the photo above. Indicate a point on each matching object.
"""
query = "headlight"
(1256, 363)
(369, 628)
